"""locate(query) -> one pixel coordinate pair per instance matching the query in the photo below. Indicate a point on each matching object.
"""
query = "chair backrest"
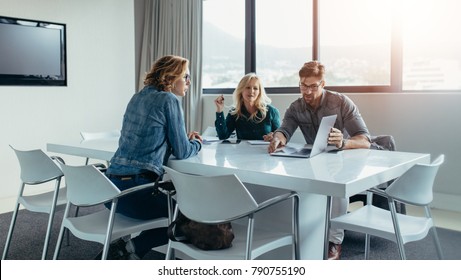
(211, 198)
(86, 185)
(37, 167)
(99, 135)
(415, 186)
(385, 142)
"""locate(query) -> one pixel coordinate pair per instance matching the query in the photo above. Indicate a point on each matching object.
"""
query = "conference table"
(316, 180)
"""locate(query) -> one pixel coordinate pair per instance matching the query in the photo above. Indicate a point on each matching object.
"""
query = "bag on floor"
(203, 236)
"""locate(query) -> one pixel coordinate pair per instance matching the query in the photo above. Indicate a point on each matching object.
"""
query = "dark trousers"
(142, 205)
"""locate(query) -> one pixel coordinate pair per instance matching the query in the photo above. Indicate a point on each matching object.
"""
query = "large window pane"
(223, 43)
(432, 44)
(283, 40)
(355, 42)
(377, 45)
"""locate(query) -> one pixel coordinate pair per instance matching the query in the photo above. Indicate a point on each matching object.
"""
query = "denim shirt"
(349, 119)
(153, 129)
(247, 129)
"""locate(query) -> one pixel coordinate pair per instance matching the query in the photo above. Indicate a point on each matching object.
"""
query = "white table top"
(102, 149)
(336, 174)
(316, 179)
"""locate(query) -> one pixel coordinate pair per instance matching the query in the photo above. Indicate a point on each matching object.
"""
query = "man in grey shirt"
(349, 131)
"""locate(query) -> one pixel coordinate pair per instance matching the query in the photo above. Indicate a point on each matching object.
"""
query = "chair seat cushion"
(93, 226)
(378, 222)
(266, 241)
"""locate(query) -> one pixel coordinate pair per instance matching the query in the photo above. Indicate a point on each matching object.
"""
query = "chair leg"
(249, 239)
(367, 246)
(67, 230)
(48, 234)
(51, 218)
(398, 235)
(10, 232)
(327, 228)
(172, 214)
(67, 237)
(437, 243)
(110, 226)
(61, 233)
(59, 242)
(169, 252)
(295, 222)
(435, 236)
(170, 208)
(105, 250)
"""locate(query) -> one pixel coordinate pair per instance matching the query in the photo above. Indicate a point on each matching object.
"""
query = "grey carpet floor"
(29, 234)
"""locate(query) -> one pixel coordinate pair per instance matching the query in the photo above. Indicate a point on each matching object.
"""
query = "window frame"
(396, 48)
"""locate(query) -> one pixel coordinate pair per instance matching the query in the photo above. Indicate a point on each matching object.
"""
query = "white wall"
(101, 79)
(426, 123)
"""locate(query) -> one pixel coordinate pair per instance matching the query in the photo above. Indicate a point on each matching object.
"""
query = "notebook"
(320, 142)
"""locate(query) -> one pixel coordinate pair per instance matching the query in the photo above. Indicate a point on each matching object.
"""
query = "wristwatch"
(343, 143)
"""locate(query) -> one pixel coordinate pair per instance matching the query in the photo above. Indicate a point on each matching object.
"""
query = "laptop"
(320, 142)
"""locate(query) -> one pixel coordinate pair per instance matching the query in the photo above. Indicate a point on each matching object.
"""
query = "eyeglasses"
(312, 87)
(187, 78)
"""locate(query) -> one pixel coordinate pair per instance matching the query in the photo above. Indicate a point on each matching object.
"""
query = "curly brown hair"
(312, 69)
(166, 71)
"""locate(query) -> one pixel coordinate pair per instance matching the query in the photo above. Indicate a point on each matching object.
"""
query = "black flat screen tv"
(32, 53)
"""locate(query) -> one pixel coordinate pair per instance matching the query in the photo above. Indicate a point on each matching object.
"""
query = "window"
(431, 45)
(355, 42)
(223, 43)
(366, 45)
(283, 40)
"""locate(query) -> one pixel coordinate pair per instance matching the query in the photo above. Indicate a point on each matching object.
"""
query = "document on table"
(258, 142)
(210, 139)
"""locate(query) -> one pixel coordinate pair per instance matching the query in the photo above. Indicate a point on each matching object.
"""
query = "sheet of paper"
(258, 142)
(210, 139)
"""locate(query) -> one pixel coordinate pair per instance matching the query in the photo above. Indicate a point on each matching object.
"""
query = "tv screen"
(32, 52)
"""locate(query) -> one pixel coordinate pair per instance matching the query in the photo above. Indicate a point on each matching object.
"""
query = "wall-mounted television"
(32, 52)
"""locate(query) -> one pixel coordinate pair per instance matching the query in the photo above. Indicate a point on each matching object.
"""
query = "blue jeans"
(142, 205)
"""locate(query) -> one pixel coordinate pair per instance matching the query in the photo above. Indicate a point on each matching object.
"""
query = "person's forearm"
(356, 142)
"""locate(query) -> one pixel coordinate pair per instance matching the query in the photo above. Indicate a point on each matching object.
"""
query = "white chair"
(219, 199)
(380, 142)
(413, 187)
(86, 136)
(87, 186)
(37, 168)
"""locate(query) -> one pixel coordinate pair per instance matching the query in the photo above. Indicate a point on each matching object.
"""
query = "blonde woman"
(251, 116)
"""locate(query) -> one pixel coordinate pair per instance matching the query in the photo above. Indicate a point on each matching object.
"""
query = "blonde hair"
(166, 71)
(261, 102)
(312, 69)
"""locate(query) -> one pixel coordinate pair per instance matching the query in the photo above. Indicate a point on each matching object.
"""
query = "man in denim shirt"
(350, 131)
(153, 129)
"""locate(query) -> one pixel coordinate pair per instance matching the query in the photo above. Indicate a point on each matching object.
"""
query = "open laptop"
(320, 142)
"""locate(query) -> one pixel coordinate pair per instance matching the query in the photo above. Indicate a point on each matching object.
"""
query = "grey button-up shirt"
(301, 115)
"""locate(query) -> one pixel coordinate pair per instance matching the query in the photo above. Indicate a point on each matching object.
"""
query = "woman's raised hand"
(219, 102)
